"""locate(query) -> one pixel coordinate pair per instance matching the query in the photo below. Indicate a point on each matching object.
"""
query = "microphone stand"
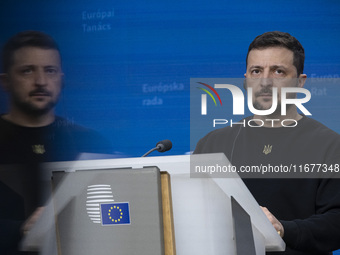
(156, 148)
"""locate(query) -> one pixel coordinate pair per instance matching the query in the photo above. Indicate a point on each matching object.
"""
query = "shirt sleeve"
(321, 231)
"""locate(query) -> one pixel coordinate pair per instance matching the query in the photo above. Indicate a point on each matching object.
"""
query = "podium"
(210, 215)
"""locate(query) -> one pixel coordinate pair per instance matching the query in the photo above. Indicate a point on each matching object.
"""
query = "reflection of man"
(305, 212)
(30, 132)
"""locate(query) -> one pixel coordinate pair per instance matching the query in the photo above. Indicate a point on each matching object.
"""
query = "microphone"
(161, 146)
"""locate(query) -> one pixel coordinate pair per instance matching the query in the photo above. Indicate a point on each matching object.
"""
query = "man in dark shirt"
(31, 133)
(305, 212)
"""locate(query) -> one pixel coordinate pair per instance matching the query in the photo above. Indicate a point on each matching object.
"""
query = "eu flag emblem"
(115, 213)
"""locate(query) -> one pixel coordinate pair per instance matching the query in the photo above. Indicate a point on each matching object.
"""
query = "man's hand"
(32, 220)
(276, 224)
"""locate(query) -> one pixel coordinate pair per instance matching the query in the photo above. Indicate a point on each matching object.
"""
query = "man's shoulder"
(223, 132)
(318, 129)
(322, 140)
(63, 123)
(8, 130)
(86, 139)
(218, 140)
(4, 123)
(71, 127)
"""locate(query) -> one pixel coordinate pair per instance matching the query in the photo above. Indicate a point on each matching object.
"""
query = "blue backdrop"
(128, 64)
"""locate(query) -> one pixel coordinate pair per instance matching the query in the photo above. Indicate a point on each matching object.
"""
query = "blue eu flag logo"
(115, 213)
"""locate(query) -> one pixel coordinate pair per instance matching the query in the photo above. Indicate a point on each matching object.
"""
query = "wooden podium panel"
(168, 220)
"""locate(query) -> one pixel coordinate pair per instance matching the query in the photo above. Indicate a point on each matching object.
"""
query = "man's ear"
(4, 83)
(302, 80)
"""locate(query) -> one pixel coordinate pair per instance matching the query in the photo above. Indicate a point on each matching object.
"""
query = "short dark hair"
(280, 39)
(28, 38)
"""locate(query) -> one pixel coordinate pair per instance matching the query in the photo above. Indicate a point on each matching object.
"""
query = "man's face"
(34, 80)
(268, 68)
